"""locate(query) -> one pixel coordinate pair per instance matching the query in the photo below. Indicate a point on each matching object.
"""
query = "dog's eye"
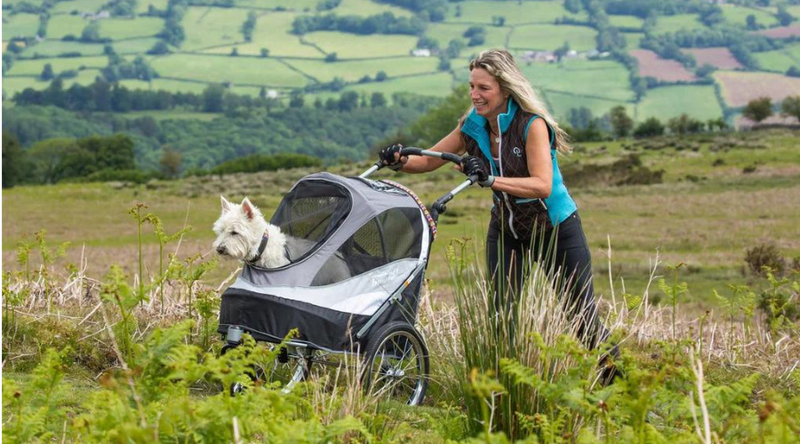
(233, 233)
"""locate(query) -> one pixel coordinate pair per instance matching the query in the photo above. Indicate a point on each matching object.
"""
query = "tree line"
(384, 23)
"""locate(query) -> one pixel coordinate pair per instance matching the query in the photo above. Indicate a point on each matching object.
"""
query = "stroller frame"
(393, 350)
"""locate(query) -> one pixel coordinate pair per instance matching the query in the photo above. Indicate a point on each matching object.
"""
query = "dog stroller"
(352, 287)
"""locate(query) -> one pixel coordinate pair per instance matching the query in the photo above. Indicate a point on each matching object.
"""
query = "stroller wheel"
(288, 368)
(397, 364)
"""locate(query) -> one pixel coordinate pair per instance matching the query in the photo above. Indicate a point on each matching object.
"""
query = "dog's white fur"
(239, 230)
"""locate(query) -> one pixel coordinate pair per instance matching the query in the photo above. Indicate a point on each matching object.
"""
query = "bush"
(765, 255)
(649, 128)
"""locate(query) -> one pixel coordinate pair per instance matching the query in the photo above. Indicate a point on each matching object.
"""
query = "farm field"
(438, 85)
(784, 32)
(602, 79)
(738, 15)
(208, 27)
(352, 71)
(362, 47)
(89, 6)
(779, 60)
(55, 48)
(673, 23)
(366, 8)
(717, 57)
(120, 29)
(514, 13)
(632, 39)
(210, 68)
(137, 46)
(740, 87)
(699, 101)
(166, 84)
(19, 25)
(496, 36)
(560, 104)
(551, 37)
(651, 65)
(61, 25)
(272, 33)
(35, 67)
(626, 21)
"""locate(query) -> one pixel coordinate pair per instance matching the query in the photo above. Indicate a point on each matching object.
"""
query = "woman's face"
(487, 97)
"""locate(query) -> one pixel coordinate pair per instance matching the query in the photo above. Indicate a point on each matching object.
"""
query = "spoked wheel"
(288, 368)
(397, 364)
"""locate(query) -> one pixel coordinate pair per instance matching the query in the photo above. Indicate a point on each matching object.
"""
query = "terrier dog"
(244, 234)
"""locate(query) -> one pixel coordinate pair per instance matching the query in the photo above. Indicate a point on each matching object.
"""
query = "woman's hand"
(390, 156)
(474, 166)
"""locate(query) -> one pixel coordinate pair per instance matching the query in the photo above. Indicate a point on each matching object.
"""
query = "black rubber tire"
(389, 339)
(237, 388)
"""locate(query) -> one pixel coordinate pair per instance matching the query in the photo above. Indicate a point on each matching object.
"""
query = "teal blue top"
(560, 204)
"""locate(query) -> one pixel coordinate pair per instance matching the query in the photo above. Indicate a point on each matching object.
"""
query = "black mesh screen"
(312, 211)
(392, 235)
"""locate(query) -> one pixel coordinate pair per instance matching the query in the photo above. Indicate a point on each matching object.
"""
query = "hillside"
(579, 53)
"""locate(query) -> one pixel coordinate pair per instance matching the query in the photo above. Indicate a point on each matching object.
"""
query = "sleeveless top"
(521, 216)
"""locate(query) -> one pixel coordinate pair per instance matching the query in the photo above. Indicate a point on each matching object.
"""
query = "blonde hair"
(501, 65)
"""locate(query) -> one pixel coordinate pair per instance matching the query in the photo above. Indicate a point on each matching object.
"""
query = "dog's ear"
(249, 209)
(226, 206)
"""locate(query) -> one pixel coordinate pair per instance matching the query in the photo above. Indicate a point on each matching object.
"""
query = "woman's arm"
(540, 167)
(451, 143)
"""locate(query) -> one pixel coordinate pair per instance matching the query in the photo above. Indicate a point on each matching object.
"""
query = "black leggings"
(570, 251)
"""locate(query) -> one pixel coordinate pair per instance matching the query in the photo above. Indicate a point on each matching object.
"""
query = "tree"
(170, 162)
(377, 100)
(348, 101)
(791, 107)
(684, 124)
(758, 109)
(752, 23)
(649, 128)
(793, 71)
(249, 26)
(264, 52)
(14, 161)
(213, 98)
(440, 120)
(573, 6)
(331, 57)
(161, 47)
(296, 99)
(47, 72)
(91, 33)
(234, 52)
(784, 18)
(620, 121)
(381, 76)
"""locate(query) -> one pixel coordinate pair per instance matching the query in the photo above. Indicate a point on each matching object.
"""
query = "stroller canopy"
(352, 244)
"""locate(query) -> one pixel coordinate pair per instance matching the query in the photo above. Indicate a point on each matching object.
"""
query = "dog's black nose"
(221, 249)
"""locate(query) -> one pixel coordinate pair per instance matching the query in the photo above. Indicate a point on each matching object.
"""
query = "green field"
(272, 32)
(439, 85)
(166, 84)
(134, 46)
(351, 46)
(61, 25)
(665, 102)
(626, 21)
(632, 39)
(551, 37)
(17, 25)
(54, 48)
(207, 27)
(354, 70)
(672, 23)
(296, 5)
(365, 8)
(82, 6)
(143, 5)
(602, 79)
(120, 28)
(560, 104)
(514, 12)
(12, 85)
(444, 32)
(35, 67)
(737, 15)
(172, 115)
(248, 70)
(779, 60)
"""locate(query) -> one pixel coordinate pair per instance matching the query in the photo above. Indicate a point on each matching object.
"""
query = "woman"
(511, 141)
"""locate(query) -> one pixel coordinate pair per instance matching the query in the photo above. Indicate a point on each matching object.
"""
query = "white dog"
(244, 234)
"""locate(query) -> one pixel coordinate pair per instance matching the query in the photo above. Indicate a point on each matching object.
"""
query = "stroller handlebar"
(413, 151)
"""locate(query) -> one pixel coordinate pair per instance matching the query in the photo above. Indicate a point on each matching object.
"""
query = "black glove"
(387, 156)
(474, 166)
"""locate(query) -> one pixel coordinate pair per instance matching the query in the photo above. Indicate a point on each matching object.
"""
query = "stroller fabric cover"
(355, 246)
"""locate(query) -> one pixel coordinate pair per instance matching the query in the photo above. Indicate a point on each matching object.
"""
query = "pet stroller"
(354, 286)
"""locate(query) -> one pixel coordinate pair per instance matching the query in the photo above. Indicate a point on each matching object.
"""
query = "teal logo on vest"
(517, 152)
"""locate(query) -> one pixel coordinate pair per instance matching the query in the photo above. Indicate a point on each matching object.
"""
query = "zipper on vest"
(505, 196)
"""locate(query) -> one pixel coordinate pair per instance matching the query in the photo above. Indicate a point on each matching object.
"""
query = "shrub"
(765, 255)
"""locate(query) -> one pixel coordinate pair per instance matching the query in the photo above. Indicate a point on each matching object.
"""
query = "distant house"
(272, 94)
(571, 54)
(421, 52)
(539, 57)
(97, 16)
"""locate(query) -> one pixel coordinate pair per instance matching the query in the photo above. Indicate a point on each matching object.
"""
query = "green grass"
(80, 6)
(60, 25)
(551, 37)
(602, 79)
(54, 48)
(699, 102)
(444, 32)
(632, 39)
(672, 23)
(17, 25)
(172, 115)
(35, 67)
(354, 70)
(779, 60)
(142, 5)
(272, 32)
(560, 104)
(120, 28)
(439, 84)
(166, 84)
(365, 8)
(737, 15)
(206, 27)
(13, 85)
(514, 12)
(134, 46)
(248, 70)
(297, 5)
(352, 46)
(627, 21)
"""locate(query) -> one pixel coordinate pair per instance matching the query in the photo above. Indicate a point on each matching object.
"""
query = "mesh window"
(310, 213)
(392, 235)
